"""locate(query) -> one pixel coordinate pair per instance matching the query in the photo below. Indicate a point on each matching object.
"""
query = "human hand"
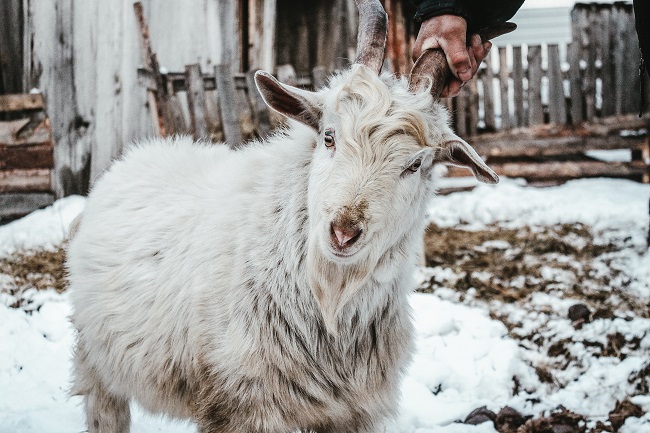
(448, 32)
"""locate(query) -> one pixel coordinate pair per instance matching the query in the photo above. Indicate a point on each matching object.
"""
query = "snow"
(464, 359)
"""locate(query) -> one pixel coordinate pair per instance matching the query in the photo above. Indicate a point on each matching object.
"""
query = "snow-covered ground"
(465, 358)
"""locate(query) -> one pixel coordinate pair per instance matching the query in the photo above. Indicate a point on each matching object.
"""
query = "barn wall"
(84, 57)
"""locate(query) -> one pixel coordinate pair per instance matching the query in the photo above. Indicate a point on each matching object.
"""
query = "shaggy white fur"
(262, 290)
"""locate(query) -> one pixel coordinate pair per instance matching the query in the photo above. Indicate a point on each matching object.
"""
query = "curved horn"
(432, 64)
(371, 40)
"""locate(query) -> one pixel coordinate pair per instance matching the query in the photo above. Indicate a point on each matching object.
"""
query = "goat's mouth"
(343, 240)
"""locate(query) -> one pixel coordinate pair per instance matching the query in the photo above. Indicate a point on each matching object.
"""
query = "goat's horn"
(371, 40)
(432, 64)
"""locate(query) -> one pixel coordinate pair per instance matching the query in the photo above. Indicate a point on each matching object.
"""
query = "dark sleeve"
(478, 14)
(642, 16)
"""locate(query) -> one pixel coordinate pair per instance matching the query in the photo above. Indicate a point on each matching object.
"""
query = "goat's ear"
(294, 103)
(456, 151)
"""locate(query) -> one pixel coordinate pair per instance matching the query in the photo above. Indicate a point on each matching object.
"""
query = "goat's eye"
(414, 166)
(329, 138)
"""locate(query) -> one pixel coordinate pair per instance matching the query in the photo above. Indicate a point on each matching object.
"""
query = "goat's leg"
(106, 413)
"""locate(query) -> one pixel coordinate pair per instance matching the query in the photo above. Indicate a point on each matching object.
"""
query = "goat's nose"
(344, 236)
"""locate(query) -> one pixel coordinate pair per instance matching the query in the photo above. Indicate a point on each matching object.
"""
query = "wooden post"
(488, 95)
(228, 105)
(149, 61)
(587, 23)
(575, 83)
(461, 112)
(196, 101)
(319, 75)
(606, 56)
(260, 110)
(261, 29)
(11, 47)
(518, 87)
(503, 87)
(556, 99)
(535, 110)
(473, 107)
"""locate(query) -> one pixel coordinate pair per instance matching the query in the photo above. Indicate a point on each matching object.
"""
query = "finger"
(457, 57)
(452, 88)
(476, 46)
(481, 51)
(472, 61)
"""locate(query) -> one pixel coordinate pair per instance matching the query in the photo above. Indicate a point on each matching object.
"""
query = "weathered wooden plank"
(228, 105)
(473, 107)
(518, 87)
(213, 116)
(504, 78)
(606, 55)
(20, 102)
(11, 46)
(196, 101)
(487, 79)
(260, 110)
(631, 82)
(14, 205)
(588, 22)
(35, 156)
(10, 133)
(568, 169)
(154, 89)
(179, 125)
(319, 74)
(461, 112)
(26, 180)
(575, 83)
(535, 110)
(549, 146)
(261, 29)
(556, 99)
(553, 140)
(244, 114)
(287, 75)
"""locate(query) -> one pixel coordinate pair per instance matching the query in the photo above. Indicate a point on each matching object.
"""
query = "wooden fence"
(26, 155)
(594, 76)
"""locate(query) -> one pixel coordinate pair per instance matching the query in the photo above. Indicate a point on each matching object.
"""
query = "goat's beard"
(334, 284)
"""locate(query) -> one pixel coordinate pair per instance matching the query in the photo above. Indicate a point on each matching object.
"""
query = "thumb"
(458, 57)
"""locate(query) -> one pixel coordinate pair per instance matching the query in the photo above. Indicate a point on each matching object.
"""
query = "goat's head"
(377, 139)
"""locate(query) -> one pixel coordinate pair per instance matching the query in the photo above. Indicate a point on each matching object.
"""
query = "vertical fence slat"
(631, 65)
(575, 83)
(176, 113)
(587, 22)
(535, 110)
(518, 86)
(606, 55)
(461, 112)
(228, 105)
(556, 99)
(319, 76)
(473, 107)
(503, 88)
(488, 95)
(619, 59)
(260, 111)
(196, 101)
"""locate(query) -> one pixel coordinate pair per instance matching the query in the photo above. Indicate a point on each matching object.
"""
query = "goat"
(264, 289)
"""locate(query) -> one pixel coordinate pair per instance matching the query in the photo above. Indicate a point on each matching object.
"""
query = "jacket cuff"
(433, 8)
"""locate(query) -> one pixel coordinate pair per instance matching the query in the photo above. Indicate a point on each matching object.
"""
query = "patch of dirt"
(34, 269)
(510, 265)
(539, 281)
(560, 420)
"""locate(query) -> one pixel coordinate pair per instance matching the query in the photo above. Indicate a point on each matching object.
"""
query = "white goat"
(265, 289)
